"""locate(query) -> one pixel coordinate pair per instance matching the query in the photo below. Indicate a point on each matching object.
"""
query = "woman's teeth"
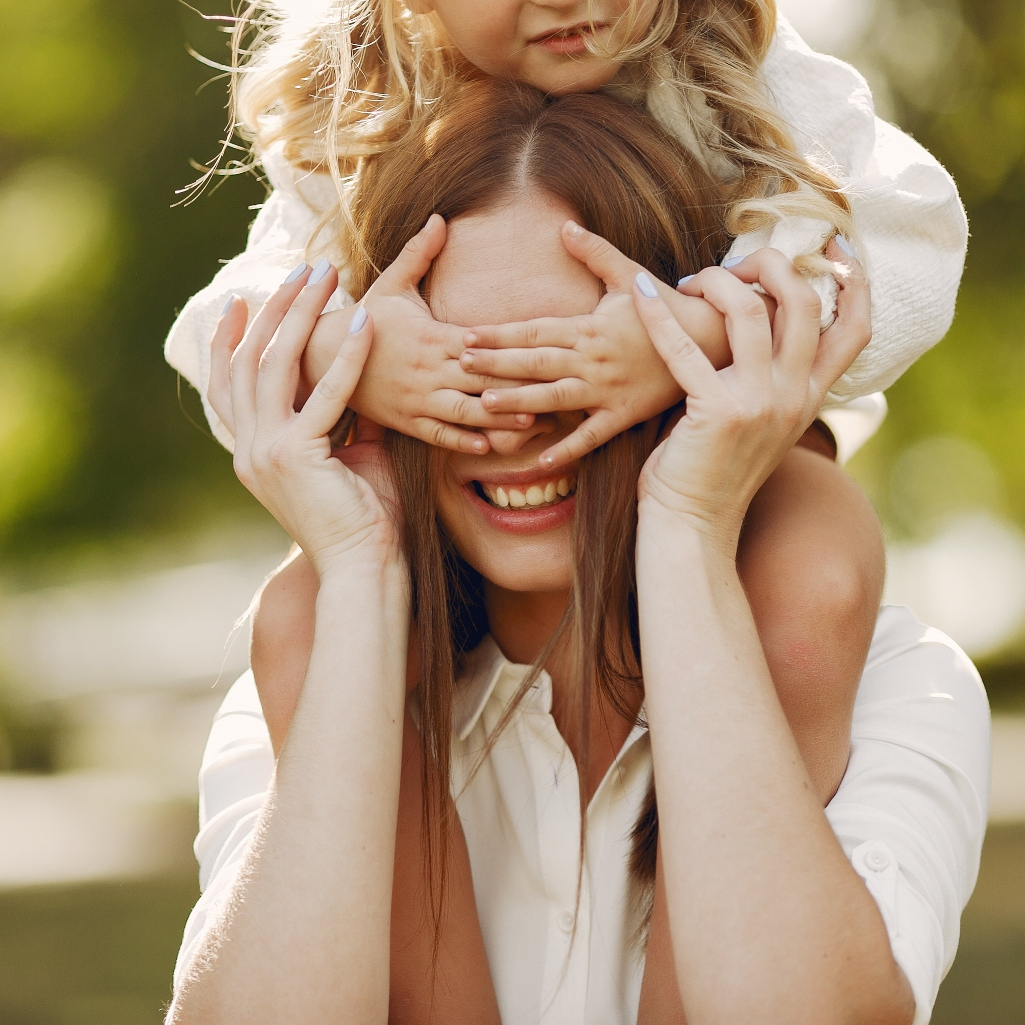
(534, 496)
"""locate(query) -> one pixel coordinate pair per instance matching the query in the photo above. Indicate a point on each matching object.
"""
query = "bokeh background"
(128, 551)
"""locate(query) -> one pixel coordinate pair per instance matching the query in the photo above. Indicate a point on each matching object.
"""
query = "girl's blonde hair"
(350, 81)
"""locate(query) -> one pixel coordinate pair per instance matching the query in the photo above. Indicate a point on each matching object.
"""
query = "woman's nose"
(508, 443)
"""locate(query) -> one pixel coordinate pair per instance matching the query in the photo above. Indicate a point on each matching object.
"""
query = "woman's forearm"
(769, 922)
(305, 935)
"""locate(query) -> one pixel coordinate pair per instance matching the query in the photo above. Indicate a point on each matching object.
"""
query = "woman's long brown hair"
(632, 183)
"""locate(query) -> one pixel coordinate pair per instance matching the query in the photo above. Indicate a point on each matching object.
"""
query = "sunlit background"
(128, 552)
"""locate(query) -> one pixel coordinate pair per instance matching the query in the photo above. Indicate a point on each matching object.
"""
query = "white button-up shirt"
(910, 813)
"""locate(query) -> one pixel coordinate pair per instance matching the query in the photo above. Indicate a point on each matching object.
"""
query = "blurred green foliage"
(101, 110)
(99, 118)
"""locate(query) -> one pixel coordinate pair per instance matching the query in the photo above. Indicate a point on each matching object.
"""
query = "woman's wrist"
(686, 534)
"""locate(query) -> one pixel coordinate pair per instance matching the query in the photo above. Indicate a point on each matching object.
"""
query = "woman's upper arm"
(911, 810)
(237, 767)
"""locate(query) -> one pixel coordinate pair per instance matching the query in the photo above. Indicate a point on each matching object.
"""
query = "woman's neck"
(522, 623)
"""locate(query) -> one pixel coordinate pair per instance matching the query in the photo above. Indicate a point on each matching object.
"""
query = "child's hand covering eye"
(603, 362)
(412, 381)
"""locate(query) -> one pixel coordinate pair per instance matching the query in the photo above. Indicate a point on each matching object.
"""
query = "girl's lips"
(528, 520)
(566, 41)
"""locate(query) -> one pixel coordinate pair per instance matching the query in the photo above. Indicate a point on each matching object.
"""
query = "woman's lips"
(541, 506)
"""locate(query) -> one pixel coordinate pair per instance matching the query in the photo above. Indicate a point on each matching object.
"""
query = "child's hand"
(412, 381)
(602, 362)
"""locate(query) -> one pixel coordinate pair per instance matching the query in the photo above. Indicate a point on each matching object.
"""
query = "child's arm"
(912, 230)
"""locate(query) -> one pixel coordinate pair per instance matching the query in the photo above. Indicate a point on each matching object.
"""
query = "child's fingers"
(593, 432)
(462, 410)
(547, 332)
(681, 354)
(600, 257)
(328, 400)
(246, 357)
(449, 436)
(568, 394)
(231, 327)
(546, 364)
(278, 375)
(410, 266)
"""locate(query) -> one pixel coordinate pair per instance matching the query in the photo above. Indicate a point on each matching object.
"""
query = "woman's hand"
(602, 362)
(739, 421)
(285, 458)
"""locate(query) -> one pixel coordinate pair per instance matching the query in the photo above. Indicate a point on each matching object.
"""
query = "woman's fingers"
(278, 376)
(685, 360)
(842, 342)
(230, 329)
(747, 321)
(798, 309)
(327, 402)
(545, 364)
(593, 432)
(246, 358)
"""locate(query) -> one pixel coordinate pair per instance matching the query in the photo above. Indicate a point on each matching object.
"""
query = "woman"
(768, 920)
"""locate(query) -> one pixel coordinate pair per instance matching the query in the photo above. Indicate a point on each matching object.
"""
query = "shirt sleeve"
(278, 242)
(911, 810)
(911, 226)
(237, 767)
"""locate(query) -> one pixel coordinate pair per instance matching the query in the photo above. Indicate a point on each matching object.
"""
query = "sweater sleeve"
(278, 241)
(911, 227)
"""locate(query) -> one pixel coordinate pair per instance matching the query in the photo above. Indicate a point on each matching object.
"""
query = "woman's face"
(511, 520)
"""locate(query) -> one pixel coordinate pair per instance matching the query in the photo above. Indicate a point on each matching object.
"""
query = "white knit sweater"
(911, 228)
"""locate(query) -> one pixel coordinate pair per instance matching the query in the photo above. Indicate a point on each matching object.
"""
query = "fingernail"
(646, 286)
(323, 266)
(732, 262)
(522, 419)
(359, 318)
(467, 360)
(470, 338)
(684, 280)
(488, 398)
(478, 446)
(548, 461)
(227, 305)
(572, 228)
(298, 272)
(845, 246)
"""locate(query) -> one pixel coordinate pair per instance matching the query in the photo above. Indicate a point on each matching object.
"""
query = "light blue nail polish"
(323, 266)
(359, 318)
(732, 262)
(845, 246)
(227, 305)
(298, 272)
(646, 286)
(684, 280)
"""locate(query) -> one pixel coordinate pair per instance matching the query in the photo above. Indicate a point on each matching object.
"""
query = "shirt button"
(877, 860)
(566, 920)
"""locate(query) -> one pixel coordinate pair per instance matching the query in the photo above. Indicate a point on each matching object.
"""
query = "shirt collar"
(489, 674)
